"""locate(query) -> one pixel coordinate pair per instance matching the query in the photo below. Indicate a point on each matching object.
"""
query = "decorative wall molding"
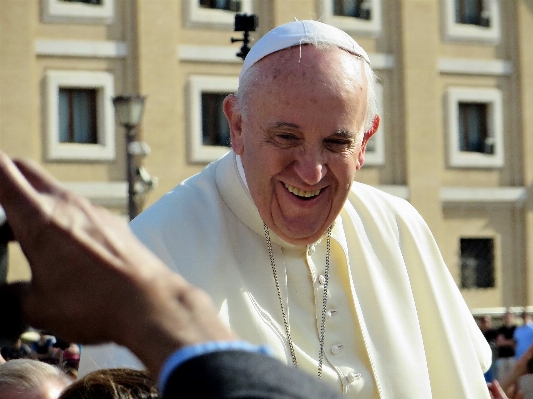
(513, 196)
(475, 67)
(397, 190)
(111, 194)
(199, 53)
(81, 48)
(499, 311)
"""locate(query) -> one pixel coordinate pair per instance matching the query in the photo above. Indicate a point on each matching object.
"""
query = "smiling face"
(301, 138)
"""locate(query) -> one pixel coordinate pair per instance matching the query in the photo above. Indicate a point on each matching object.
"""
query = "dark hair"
(118, 383)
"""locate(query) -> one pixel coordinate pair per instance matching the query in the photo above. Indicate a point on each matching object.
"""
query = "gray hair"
(252, 76)
(27, 374)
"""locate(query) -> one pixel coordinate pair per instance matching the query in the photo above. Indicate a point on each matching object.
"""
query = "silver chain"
(284, 313)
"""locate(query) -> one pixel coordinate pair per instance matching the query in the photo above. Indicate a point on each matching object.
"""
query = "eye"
(284, 139)
(338, 144)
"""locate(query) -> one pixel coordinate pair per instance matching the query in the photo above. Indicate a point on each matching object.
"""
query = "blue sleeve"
(182, 355)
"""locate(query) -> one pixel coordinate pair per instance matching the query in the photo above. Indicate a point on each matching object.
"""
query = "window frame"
(454, 31)
(371, 27)
(493, 98)
(198, 152)
(58, 11)
(199, 17)
(103, 82)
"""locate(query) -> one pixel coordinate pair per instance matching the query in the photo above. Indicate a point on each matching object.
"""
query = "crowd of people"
(512, 349)
(47, 349)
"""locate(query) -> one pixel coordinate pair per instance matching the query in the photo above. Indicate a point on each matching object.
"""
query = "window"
(473, 131)
(77, 115)
(215, 128)
(352, 8)
(475, 127)
(214, 13)
(354, 16)
(209, 136)
(230, 5)
(78, 11)
(472, 12)
(477, 262)
(80, 116)
(472, 20)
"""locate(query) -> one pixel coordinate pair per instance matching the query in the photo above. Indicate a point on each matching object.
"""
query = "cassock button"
(352, 376)
(335, 349)
(331, 312)
(310, 250)
(321, 280)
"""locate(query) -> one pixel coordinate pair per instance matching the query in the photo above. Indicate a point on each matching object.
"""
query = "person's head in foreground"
(119, 383)
(31, 379)
(300, 121)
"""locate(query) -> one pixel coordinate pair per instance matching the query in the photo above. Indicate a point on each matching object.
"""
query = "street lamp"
(129, 111)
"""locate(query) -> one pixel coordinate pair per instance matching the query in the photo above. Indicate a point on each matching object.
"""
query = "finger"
(17, 196)
(13, 186)
(39, 178)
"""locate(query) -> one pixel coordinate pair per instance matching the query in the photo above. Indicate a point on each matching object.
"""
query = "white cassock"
(396, 326)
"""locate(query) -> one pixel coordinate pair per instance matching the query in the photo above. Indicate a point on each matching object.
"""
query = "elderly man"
(338, 278)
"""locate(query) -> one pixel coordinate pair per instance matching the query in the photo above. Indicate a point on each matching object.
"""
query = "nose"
(311, 168)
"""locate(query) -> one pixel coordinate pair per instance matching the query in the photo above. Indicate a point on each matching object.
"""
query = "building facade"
(456, 81)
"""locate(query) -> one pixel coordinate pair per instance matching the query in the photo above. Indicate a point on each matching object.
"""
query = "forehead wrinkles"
(319, 69)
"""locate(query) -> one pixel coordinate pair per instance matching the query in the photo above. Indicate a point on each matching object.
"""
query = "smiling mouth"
(301, 193)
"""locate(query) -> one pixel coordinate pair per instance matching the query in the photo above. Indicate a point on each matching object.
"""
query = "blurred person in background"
(119, 383)
(506, 345)
(18, 350)
(485, 325)
(523, 335)
(31, 379)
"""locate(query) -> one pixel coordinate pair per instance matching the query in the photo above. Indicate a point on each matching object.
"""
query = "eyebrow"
(347, 134)
(286, 124)
(344, 133)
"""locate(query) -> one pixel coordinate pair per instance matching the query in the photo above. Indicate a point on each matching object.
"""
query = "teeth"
(301, 193)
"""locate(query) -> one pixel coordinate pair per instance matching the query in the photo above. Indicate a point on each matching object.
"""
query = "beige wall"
(414, 118)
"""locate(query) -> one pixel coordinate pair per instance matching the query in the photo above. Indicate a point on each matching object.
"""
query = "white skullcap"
(301, 32)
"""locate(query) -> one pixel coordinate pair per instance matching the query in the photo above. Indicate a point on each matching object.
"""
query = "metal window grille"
(477, 262)
(229, 5)
(215, 128)
(77, 115)
(353, 8)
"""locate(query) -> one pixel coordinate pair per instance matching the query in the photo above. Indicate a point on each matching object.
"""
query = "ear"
(235, 123)
(366, 137)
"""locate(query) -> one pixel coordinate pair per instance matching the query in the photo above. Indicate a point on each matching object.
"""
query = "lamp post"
(129, 110)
